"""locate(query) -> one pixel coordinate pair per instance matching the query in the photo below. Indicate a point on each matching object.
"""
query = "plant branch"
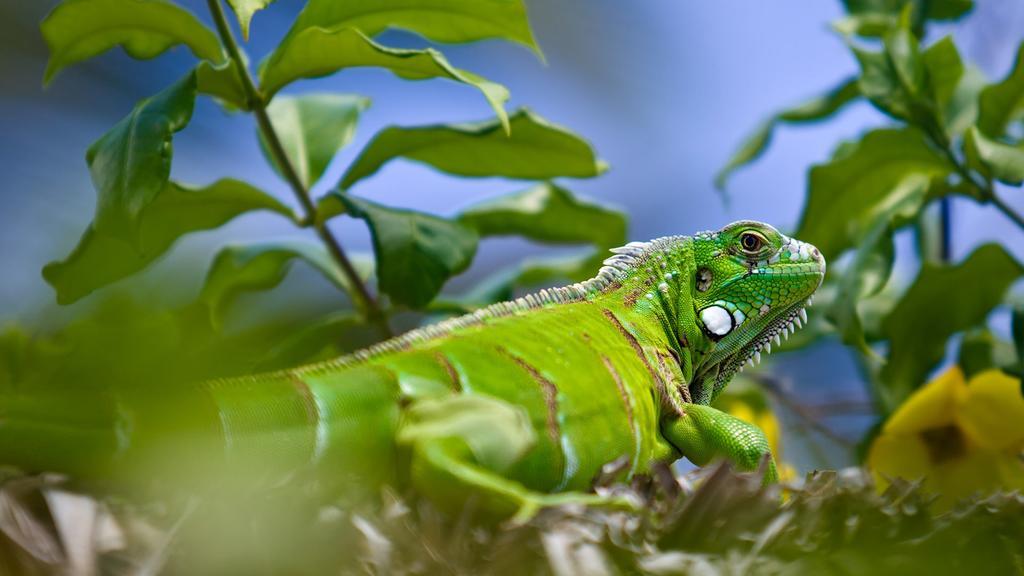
(370, 307)
(774, 388)
(984, 187)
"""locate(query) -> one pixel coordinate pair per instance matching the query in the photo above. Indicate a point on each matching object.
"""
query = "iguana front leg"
(460, 447)
(704, 434)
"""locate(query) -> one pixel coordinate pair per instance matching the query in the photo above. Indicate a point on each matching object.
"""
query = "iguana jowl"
(520, 403)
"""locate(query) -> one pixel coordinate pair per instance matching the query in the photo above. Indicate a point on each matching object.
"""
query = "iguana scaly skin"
(519, 404)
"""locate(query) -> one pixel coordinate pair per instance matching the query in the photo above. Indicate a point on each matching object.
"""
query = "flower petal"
(931, 406)
(993, 412)
(898, 456)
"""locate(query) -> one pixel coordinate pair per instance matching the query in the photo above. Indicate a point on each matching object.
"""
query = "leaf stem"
(985, 189)
(371, 309)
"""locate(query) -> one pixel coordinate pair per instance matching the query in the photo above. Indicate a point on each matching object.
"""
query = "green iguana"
(519, 404)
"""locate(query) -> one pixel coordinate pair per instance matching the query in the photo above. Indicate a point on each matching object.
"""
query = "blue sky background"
(664, 89)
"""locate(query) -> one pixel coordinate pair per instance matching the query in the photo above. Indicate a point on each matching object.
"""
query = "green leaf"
(450, 21)
(943, 70)
(1002, 103)
(416, 253)
(981, 350)
(1017, 331)
(880, 84)
(312, 129)
(865, 276)
(253, 267)
(502, 285)
(547, 213)
(935, 9)
(869, 25)
(324, 339)
(962, 110)
(244, 9)
(868, 272)
(901, 48)
(77, 30)
(317, 52)
(846, 195)
(1000, 161)
(535, 150)
(811, 111)
(223, 83)
(101, 258)
(909, 85)
(935, 307)
(130, 164)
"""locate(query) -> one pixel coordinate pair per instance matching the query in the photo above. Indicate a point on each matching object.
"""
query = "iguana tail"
(256, 428)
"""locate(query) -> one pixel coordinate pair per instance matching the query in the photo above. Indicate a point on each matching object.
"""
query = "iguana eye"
(751, 242)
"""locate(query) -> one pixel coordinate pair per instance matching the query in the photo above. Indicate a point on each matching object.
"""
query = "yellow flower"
(961, 437)
(747, 402)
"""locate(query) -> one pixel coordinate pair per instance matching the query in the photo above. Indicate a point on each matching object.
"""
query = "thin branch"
(366, 301)
(775, 389)
(985, 188)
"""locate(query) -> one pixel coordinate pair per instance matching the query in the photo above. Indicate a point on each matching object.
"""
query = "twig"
(773, 388)
(367, 303)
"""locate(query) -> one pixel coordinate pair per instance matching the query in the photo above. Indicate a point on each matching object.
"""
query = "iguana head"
(751, 285)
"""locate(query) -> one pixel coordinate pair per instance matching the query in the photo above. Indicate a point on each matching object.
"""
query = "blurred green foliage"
(956, 133)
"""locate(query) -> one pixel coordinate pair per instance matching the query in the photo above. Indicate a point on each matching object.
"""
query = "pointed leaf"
(77, 30)
(535, 150)
(222, 83)
(547, 213)
(935, 9)
(1003, 102)
(1017, 331)
(130, 164)
(416, 252)
(101, 258)
(811, 111)
(869, 270)
(929, 313)
(253, 267)
(317, 52)
(312, 129)
(244, 9)
(846, 195)
(449, 21)
(943, 69)
(1000, 161)
(502, 285)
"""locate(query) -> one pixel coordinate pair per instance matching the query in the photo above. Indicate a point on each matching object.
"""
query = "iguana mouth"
(780, 329)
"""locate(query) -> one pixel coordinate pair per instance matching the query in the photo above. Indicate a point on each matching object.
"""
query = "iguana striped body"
(520, 403)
